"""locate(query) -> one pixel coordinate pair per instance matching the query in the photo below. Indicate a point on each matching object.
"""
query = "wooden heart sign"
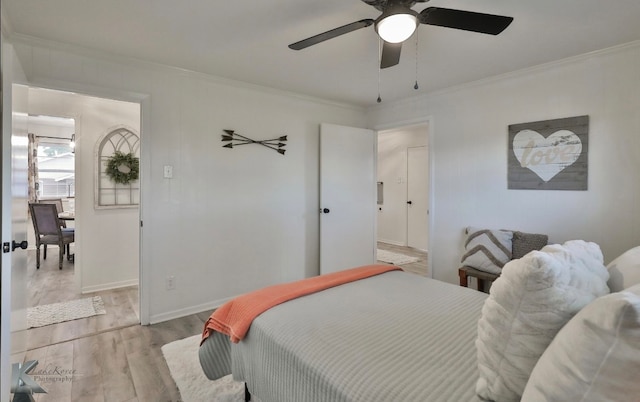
(549, 154)
(546, 157)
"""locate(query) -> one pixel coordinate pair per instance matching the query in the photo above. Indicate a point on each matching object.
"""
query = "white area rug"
(48, 314)
(395, 258)
(184, 365)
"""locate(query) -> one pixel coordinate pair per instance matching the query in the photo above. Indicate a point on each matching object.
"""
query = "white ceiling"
(247, 40)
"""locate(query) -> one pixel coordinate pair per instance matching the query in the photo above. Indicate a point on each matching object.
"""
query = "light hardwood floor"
(419, 267)
(111, 357)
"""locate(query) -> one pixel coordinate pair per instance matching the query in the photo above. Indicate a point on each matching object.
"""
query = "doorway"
(106, 248)
(403, 187)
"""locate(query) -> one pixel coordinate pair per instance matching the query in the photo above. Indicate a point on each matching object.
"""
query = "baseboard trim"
(110, 286)
(394, 243)
(170, 315)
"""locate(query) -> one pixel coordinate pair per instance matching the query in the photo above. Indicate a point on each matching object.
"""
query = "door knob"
(409, 202)
(325, 211)
(23, 245)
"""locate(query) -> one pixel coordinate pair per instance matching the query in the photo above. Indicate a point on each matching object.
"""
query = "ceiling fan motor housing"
(382, 5)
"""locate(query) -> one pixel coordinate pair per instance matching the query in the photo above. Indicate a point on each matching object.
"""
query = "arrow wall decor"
(234, 139)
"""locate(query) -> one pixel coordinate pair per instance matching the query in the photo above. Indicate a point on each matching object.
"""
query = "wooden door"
(418, 197)
(347, 197)
(13, 323)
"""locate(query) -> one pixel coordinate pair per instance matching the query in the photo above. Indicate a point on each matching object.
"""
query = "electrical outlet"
(168, 172)
(171, 282)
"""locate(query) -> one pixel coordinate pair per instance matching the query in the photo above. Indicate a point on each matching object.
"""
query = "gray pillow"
(523, 243)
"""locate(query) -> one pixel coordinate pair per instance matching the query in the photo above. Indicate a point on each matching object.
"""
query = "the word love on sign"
(549, 155)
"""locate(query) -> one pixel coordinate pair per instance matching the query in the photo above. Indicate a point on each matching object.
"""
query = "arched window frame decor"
(108, 194)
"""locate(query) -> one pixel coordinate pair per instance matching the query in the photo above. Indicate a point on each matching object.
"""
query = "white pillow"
(487, 250)
(624, 271)
(595, 357)
(527, 305)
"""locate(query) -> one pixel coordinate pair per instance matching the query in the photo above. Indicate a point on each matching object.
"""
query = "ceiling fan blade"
(390, 54)
(465, 20)
(331, 34)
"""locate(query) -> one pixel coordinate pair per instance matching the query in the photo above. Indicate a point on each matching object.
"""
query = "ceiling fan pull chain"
(416, 85)
(379, 61)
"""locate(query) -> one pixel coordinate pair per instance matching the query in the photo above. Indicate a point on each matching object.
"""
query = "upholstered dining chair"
(48, 231)
(63, 224)
(58, 203)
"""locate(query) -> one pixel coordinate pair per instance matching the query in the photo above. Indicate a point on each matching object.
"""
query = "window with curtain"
(56, 168)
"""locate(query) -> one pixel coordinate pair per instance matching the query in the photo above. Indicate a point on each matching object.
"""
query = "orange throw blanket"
(235, 317)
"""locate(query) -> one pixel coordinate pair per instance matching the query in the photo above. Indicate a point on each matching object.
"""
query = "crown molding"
(168, 69)
(512, 74)
(5, 25)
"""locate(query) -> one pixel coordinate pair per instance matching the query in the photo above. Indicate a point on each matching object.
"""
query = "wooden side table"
(480, 276)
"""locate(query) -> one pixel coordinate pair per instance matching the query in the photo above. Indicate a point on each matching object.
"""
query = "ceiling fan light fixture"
(397, 24)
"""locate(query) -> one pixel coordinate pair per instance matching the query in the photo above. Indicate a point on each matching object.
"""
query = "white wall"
(231, 220)
(107, 240)
(469, 141)
(392, 171)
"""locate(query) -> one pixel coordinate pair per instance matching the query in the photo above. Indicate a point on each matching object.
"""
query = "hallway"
(419, 267)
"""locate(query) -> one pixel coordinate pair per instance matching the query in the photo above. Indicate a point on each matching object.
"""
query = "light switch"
(168, 172)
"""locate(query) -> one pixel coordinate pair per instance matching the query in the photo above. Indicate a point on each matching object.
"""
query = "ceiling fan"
(398, 22)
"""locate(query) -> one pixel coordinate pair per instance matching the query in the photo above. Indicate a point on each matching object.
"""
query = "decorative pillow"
(487, 250)
(624, 271)
(527, 305)
(523, 243)
(595, 357)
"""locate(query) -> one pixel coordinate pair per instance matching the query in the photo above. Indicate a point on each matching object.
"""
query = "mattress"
(391, 337)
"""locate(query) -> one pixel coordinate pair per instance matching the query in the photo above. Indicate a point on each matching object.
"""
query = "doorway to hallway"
(403, 188)
(106, 246)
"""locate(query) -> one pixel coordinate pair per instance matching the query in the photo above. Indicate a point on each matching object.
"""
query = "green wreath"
(123, 168)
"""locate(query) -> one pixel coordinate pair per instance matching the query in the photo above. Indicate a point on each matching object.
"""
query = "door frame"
(144, 100)
(429, 121)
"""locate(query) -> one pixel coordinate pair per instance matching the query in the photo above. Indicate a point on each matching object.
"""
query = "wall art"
(549, 155)
(117, 166)
(234, 139)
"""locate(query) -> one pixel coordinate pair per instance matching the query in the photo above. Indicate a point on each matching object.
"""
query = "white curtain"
(33, 168)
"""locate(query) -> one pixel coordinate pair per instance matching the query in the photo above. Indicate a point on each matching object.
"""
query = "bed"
(554, 327)
(395, 336)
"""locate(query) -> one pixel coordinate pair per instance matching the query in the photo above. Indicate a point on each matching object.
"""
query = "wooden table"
(67, 216)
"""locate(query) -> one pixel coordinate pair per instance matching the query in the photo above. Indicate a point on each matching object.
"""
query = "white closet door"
(418, 197)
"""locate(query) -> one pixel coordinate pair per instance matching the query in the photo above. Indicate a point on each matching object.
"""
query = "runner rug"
(395, 258)
(48, 314)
